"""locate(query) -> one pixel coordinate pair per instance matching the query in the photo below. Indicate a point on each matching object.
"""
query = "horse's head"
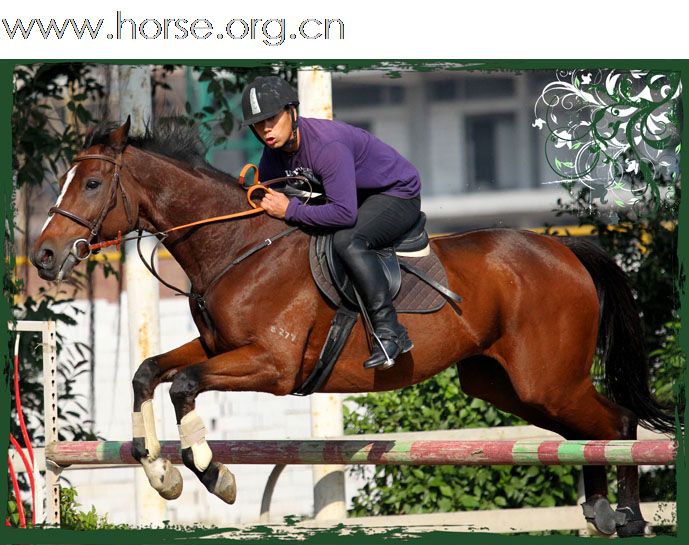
(93, 204)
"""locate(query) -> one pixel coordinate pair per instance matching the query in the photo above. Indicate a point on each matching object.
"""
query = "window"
(491, 152)
(488, 87)
(442, 90)
(348, 96)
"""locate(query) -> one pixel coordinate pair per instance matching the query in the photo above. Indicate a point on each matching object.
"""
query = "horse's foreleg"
(246, 368)
(162, 475)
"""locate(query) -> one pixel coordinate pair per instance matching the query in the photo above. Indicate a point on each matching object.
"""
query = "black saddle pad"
(413, 296)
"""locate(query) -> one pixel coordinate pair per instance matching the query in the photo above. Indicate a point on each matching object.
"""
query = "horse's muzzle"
(44, 260)
(52, 264)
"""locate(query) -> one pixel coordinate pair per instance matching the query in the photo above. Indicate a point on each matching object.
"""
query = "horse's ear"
(117, 139)
(88, 137)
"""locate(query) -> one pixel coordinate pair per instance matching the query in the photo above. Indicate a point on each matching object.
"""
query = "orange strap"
(246, 168)
(99, 245)
(255, 208)
(256, 184)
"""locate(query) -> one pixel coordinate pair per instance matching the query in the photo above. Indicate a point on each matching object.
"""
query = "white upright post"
(50, 424)
(315, 100)
(142, 287)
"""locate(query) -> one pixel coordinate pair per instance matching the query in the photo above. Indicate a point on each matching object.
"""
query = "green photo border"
(194, 536)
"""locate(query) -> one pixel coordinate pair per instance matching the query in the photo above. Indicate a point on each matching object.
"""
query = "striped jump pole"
(391, 452)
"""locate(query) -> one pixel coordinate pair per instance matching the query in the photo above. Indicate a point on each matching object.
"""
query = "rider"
(372, 194)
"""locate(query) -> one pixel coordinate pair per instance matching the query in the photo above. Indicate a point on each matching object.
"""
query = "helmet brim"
(260, 117)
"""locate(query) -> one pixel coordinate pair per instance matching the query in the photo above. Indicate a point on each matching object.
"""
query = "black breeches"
(381, 220)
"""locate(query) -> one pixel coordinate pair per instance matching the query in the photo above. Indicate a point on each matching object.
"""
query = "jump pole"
(391, 452)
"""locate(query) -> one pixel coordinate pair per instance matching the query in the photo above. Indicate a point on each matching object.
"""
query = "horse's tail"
(621, 339)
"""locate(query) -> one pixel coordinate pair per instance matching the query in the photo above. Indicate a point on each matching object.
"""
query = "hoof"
(592, 531)
(634, 528)
(225, 486)
(600, 514)
(164, 478)
(634, 524)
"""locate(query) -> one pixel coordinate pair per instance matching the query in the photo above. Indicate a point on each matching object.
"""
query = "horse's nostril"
(46, 258)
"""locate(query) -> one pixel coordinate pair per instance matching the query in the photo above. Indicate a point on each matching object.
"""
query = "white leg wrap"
(149, 427)
(192, 433)
(138, 429)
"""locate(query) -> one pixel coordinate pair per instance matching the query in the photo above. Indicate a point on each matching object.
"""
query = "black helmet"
(266, 96)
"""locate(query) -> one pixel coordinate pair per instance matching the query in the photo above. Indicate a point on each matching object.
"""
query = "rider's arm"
(335, 166)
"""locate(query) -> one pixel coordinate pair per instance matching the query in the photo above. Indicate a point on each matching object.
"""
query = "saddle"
(405, 263)
(417, 282)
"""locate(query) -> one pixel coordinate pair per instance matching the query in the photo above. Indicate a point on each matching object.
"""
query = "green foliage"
(668, 362)
(221, 114)
(49, 114)
(225, 85)
(13, 514)
(73, 362)
(71, 518)
(439, 404)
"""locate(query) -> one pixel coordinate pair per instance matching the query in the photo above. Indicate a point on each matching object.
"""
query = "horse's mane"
(172, 137)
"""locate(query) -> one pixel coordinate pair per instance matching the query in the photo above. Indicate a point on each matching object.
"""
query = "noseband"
(95, 225)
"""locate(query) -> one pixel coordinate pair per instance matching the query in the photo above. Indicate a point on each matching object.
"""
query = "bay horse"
(535, 312)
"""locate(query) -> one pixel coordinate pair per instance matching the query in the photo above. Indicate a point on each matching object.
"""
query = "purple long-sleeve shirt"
(345, 159)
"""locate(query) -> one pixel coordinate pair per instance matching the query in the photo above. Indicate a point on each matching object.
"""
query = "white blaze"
(68, 180)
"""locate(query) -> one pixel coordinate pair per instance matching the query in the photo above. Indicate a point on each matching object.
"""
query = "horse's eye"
(92, 184)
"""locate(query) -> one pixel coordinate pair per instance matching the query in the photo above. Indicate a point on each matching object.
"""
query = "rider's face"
(275, 131)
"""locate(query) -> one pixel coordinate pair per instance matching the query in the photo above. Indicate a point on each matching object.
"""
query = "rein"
(199, 298)
(256, 185)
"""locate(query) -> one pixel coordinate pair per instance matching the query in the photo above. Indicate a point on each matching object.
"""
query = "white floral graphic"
(614, 132)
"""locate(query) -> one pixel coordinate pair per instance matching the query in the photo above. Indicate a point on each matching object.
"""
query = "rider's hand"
(275, 204)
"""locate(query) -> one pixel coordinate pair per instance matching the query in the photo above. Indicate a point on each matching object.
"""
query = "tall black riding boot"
(372, 284)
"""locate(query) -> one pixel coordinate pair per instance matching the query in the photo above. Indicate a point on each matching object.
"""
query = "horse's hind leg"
(589, 415)
(627, 520)
(485, 378)
(162, 475)
(540, 404)
(245, 368)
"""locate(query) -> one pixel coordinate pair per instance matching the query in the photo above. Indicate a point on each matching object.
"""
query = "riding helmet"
(266, 96)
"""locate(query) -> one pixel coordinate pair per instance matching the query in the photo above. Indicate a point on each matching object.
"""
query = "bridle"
(94, 226)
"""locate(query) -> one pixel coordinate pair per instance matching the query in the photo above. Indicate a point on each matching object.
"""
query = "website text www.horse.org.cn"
(271, 32)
